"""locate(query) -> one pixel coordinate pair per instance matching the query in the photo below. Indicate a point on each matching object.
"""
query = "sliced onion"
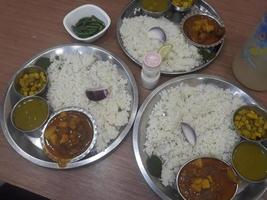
(96, 94)
(157, 33)
(189, 133)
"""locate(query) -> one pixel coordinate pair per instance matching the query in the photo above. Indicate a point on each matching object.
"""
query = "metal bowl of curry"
(155, 8)
(29, 114)
(183, 5)
(31, 81)
(203, 30)
(207, 178)
(250, 161)
(69, 135)
(250, 122)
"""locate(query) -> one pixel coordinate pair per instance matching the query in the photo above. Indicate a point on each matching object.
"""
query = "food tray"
(133, 9)
(30, 147)
(245, 192)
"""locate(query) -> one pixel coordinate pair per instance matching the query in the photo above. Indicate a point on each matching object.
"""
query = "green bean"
(88, 26)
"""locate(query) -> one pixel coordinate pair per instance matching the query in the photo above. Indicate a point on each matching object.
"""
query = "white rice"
(134, 34)
(69, 77)
(208, 109)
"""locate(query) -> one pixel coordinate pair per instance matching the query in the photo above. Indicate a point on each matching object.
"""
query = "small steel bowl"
(19, 103)
(83, 154)
(218, 21)
(155, 14)
(181, 9)
(28, 70)
(194, 159)
(257, 110)
(241, 176)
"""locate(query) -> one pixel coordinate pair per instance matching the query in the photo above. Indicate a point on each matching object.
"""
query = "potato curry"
(207, 178)
(68, 135)
(203, 29)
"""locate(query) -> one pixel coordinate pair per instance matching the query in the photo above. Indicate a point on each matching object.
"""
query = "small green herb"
(43, 62)
(154, 166)
(206, 54)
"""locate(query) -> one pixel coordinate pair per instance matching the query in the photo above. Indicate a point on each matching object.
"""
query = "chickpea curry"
(68, 135)
(207, 178)
(32, 82)
(250, 124)
(203, 29)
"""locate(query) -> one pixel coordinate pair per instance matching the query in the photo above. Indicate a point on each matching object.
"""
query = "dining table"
(29, 27)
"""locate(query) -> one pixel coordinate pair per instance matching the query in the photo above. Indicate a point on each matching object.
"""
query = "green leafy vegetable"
(88, 26)
(154, 166)
(206, 54)
(43, 62)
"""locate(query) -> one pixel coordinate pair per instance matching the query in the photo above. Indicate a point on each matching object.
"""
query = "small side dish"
(68, 135)
(87, 23)
(251, 123)
(183, 5)
(155, 7)
(250, 161)
(30, 113)
(31, 81)
(207, 178)
(203, 30)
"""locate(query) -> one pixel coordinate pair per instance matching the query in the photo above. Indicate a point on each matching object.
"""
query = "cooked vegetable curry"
(31, 83)
(88, 26)
(30, 114)
(250, 160)
(183, 3)
(251, 124)
(155, 5)
(68, 135)
(203, 29)
(207, 178)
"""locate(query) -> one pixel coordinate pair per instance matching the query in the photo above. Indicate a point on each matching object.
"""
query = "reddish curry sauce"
(203, 29)
(207, 179)
(68, 135)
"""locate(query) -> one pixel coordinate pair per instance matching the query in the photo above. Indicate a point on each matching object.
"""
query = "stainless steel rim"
(119, 40)
(101, 154)
(136, 133)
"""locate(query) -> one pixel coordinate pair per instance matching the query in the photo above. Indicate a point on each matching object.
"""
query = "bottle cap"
(152, 60)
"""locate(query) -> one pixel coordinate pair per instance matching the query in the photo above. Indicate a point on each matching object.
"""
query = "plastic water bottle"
(250, 64)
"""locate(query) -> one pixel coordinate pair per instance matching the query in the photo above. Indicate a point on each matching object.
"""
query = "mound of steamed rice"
(71, 74)
(134, 34)
(208, 109)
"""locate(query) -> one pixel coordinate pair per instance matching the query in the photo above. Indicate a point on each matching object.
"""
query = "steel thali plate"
(133, 9)
(30, 147)
(245, 192)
